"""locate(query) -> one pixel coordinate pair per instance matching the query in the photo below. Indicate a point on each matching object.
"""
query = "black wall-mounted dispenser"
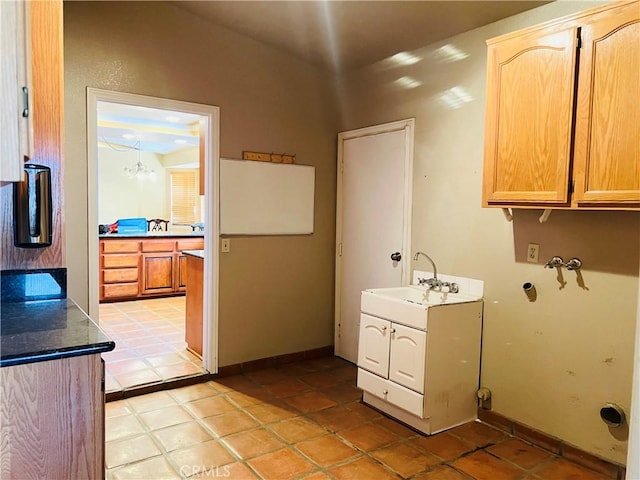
(32, 222)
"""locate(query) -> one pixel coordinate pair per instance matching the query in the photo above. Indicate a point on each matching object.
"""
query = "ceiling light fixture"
(139, 170)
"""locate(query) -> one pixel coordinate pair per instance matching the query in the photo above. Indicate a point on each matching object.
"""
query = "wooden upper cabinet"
(607, 152)
(530, 83)
(562, 116)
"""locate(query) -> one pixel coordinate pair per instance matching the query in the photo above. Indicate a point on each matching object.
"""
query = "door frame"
(408, 126)
(212, 205)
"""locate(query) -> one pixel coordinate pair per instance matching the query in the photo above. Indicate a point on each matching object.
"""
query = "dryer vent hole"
(612, 415)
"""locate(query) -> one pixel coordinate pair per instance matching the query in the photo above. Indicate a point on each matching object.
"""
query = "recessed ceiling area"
(147, 129)
(345, 35)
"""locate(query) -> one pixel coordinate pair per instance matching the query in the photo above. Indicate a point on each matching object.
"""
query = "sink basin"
(409, 305)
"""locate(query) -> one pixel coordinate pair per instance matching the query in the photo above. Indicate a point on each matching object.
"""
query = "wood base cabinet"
(52, 416)
(193, 321)
(562, 116)
(140, 268)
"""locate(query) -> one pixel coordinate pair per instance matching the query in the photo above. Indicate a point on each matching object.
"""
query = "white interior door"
(373, 220)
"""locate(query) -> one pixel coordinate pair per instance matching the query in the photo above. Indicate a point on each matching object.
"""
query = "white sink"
(409, 305)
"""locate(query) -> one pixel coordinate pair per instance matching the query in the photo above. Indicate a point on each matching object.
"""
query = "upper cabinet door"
(607, 150)
(530, 93)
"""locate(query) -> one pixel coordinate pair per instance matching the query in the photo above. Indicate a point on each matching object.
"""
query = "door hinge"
(579, 45)
(340, 249)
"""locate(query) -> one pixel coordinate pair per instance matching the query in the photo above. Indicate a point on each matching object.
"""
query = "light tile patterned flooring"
(304, 421)
(150, 345)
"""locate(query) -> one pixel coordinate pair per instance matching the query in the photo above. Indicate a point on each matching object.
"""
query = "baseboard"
(226, 371)
(552, 444)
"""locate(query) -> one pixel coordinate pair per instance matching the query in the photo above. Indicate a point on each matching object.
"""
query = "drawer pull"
(385, 392)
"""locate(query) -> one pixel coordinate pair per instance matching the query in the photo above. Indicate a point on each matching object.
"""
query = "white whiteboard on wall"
(262, 198)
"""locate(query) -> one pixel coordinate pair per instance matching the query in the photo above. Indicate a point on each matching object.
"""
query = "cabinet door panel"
(157, 273)
(607, 152)
(373, 347)
(117, 261)
(530, 85)
(407, 357)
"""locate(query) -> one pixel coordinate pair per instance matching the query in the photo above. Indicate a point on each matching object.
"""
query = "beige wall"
(122, 197)
(276, 293)
(553, 363)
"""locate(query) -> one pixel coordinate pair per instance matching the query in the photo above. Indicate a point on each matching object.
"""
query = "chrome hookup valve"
(555, 262)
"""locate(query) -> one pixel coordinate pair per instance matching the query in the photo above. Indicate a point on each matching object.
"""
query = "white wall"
(553, 363)
(123, 197)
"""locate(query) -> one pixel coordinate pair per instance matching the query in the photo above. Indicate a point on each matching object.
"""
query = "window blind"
(184, 194)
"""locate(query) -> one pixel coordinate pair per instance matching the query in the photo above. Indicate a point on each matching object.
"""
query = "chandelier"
(138, 169)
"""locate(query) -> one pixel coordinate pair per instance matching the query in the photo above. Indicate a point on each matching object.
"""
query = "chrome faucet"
(431, 282)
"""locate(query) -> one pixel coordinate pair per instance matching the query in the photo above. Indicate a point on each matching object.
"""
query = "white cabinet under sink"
(423, 371)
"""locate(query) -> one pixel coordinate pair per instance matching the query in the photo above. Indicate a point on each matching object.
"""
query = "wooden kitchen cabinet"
(144, 267)
(16, 125)
(53, 419)
(194, 304)
(582, 70)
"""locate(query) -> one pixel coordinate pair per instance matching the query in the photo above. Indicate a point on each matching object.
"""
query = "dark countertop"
(153, 235)
(194, 253)
(35, 331)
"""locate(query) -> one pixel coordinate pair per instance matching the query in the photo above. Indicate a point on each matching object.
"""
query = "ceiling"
(344, 35)
(336, 35)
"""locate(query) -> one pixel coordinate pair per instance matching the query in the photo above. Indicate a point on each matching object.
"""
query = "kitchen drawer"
(159, 246)
(120, 246)
(191, 244)
(119, 261)
(118, 290)
(120, 275)
(391, 392)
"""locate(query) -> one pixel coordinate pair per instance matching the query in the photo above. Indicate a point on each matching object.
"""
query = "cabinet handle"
(393, 330)
(384, 329)
(25, 102)
(385, 392)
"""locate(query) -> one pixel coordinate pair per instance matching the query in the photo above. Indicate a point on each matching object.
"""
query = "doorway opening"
(153, 210)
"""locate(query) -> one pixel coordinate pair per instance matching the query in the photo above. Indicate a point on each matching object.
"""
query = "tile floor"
(150, 346)
(304, 421)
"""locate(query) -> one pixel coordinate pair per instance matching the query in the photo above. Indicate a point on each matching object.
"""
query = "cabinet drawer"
(120, 246)
(391, 392)
(120, 275)
(159, 246)
(118, 290)
(191, 244)
(119, 261)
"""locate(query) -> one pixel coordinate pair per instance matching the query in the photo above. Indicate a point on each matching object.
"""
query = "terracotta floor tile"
(520, 453)
(478, 434)
(310, 402)
(115, 409)
(165, 417)
(250, 396)
(369, 436)
(316, 476)
(181, 436)
(234, 471)
(281, 465)
(127, 366)
(443, 445)
(184, 369)
(363, 410)
(152, 401)
(157, 468)
(297, 429)
(346, 374)
(209, 406)
(121, 427)
(327, 450)
(164, 360)
(338, 418)
(193, 392)
(482, 466)
(121, 452)
(202, 457)
(230, 422)
(363, 468)
(564, 470)
(287, 388)
(441, 473)
(320, 380)
(139, 377)
(396, 427)
(342, 393)
(266, 376)
(405, 459)
(233, 383)
(253, 443)
(271, 412)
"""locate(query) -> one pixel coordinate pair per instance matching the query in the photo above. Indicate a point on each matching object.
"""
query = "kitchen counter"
(194, 253)
(42, 330)
(153, 235)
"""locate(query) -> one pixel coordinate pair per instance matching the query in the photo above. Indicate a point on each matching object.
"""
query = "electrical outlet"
(225, 245)
(532, 252)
